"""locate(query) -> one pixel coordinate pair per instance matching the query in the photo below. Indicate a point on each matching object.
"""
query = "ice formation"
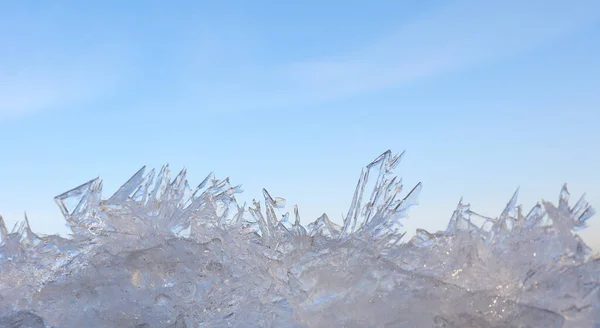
(159, 254)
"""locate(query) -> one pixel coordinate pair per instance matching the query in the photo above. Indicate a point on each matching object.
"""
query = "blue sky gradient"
(296, 97)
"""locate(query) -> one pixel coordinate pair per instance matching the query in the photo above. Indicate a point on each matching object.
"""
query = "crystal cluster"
(158, 253)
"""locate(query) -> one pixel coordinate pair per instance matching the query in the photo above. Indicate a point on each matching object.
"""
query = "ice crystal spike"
(459, 220)
(73, 202)
(3, 231)
(159, 254)
(141, 194)
(79, 205)
(132, 185)
(508, 219)
(297, 229)
(382, 205)
(161, 183)
(26, 233)
(324, 227)
(563, 199)
(535, 216)
(582, 211)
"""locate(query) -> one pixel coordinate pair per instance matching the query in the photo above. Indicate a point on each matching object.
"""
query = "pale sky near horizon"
(295, 97)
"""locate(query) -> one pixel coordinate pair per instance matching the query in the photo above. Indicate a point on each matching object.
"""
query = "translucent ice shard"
(158, 253)
(3, 231)
(125, 191)
(79, 207)
(324, 227)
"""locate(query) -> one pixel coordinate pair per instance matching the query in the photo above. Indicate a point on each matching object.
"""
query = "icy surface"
(158, 253)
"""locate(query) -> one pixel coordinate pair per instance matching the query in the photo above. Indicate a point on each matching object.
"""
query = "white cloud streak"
(455, 36)
(460, 35)
(34, 84)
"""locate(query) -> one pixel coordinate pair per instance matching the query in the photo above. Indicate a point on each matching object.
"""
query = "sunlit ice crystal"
(160, 253)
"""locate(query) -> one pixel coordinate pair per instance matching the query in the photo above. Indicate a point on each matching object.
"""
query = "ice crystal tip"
(158, 253)
(3, 230)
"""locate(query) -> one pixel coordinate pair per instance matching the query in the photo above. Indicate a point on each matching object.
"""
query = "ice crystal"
(158, 253)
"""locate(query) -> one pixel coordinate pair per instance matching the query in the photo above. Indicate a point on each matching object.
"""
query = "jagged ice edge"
(375, 214)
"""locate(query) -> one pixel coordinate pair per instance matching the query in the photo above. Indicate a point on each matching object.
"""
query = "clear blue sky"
(296, 96)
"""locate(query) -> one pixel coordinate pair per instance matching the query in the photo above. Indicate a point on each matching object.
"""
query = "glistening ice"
(158, 253)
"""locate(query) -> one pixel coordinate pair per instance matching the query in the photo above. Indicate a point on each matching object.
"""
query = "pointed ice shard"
(563, 199)
(156, 253)
(279, 202)
(3, 231)
(382, 206)
(354, 211)
(142, 193)
(272, 228)
(509, 210)
(285, 225)
(296, 216)
(271, 217)
(535, 216)
(465, 220)
(28, 233)
(411, 199)
(565, 220)
(456, 221)
(73, 202)
(380, 159)
(20, 229)
(581, 212)
(387, 222)
(177, 188)
(423, 238)
(162, 181)
(324, 227)
(209, 178)
(238, 218)
(173, 196)
(266, 229)
(507, 219)
(297, 229)
(132, 185)
(78, 205)
(482, 224)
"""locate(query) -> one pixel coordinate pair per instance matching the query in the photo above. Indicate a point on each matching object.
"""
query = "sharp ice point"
(158, 254)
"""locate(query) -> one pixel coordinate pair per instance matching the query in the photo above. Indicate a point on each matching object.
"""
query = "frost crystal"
(158, 253)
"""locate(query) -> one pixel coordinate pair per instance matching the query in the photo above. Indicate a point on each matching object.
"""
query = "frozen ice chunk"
(158, 253)
(21, 319)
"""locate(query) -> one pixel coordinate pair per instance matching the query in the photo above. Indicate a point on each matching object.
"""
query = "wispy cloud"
(224, 74)
(454, 36)
(460, 35)
(40, 83)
